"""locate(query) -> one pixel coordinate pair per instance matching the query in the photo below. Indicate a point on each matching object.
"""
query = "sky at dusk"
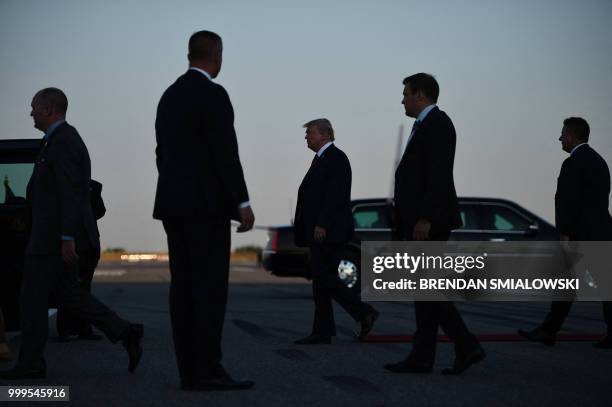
(509, 73)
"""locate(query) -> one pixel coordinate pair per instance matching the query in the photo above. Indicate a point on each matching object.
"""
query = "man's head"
(48, 106)
(420, 91)
(575, 131)
(318, 133)
(206, 52)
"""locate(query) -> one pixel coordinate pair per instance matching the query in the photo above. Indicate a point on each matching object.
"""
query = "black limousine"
(484, 219)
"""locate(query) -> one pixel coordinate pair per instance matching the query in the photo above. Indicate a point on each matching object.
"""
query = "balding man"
(62, 226)
(324, 222)
(199, 189)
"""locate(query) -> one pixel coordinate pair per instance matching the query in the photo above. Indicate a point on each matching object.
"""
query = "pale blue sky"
(509, 71)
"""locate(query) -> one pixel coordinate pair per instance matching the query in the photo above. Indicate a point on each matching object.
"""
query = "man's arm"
(65, 163)
(439, 158)
(224, 148)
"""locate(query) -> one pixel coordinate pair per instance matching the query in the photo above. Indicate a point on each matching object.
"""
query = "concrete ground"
(266, 314)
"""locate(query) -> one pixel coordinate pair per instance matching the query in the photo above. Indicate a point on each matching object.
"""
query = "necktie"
(415, 127)
(314, 160)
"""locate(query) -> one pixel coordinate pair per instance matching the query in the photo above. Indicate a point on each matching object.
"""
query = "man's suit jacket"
(200, 175)
(424, 183)
(58, 192)
(324, 199)
(581, 200)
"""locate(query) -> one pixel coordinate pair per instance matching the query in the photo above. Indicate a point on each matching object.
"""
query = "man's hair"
(423, 82)
(323, 126)
(204, 46)
(53, 98)
(578, 127)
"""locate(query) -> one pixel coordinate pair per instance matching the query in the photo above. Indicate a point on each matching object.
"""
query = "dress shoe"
(314, 339)
(409, 366)
(21, 372)
(132, 342)
(539, 335)
(605, 343)
(367, 323)
(463, 362)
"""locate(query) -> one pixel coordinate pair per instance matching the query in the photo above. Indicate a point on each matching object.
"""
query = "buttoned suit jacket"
(424, 182)
(58, 192)
(324, 199)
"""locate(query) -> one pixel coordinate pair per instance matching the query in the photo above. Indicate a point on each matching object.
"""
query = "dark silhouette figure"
(199, 189)
(62, 225)
(581, 214)
(426, 208)
(324, 222)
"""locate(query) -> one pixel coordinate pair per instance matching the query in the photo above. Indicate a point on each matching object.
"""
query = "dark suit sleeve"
(224, 147)
(65, 164)
(336, 193)
(567, 198)
(439, 158)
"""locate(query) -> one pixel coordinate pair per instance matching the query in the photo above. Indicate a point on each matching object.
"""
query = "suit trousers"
(560, 309)
(433, 314)
(199, 252)
(46, 274)
(70, 324)
(326, 285)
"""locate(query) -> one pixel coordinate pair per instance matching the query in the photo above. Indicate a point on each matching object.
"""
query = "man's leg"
(556, 316)
(38, 279)
(322, 286)
(85, 307)
(180, 301)
(343, 295)
(66, 323)
(453, 325)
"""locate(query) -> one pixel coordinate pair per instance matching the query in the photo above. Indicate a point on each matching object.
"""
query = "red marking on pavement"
(567, 337)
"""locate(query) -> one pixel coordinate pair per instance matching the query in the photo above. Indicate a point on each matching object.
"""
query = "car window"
(14, 178)
(371, 217)
(469, 216)
(501, 218)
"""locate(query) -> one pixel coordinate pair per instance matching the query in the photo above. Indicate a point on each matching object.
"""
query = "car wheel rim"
(347, 271)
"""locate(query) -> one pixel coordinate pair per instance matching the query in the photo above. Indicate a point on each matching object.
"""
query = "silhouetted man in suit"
(581, 214)
(426, 208)
(62, 227)
(324, 222)
(199, 189)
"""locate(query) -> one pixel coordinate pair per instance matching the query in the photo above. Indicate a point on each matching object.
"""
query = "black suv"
(16, 164)
(484, 219)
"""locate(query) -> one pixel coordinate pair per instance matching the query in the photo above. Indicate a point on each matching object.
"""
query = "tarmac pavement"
(266, 314)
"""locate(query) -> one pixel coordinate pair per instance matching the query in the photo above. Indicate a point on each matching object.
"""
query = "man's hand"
(319, 233)
(421, 230)
(247, 219)
(69, 253)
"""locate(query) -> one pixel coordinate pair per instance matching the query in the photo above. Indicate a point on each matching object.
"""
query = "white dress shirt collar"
(203, 72)
(425, 112)
(322, 149)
